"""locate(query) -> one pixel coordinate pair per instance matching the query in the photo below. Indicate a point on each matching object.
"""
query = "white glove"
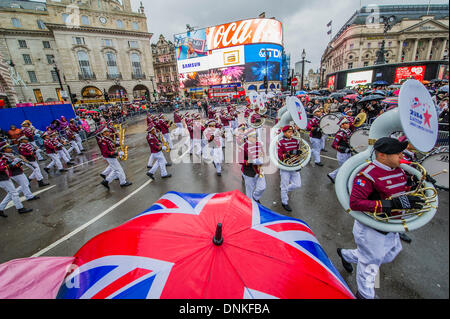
(164, 148)
(121, 153)
(258, 161)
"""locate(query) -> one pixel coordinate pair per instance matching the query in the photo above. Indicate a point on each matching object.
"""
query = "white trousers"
(11, 194)
(38, 151)
(228, 134)
(116, 171)
(168, 140)
(373, 249)
(290, 180)
(160, 162)
(24, 185)
(341, 158)
(254, 186)
(324, 138)
(37, 174)
(79, 142)
(196, 146)
(316, 147)
(74, 146)
(55, 161)
(63, 155)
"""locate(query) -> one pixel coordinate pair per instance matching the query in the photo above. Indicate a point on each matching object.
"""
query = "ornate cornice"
(63, 27)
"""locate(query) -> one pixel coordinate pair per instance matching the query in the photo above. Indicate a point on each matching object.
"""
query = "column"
(430, 44)
(400, 50)
(414, 52)
(444, 45)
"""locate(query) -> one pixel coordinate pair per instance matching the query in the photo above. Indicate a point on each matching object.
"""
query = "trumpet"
(121, 136)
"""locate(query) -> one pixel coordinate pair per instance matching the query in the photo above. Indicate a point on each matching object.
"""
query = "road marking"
(84, 226)
(329, 158)
(95, 159)
(11, 204)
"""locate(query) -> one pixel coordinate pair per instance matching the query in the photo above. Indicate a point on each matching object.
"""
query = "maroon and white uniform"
(315, 136)
(156, 148)
(341, 144)
(109, 153)
(290, 180)
(7, 185)
(27, 150)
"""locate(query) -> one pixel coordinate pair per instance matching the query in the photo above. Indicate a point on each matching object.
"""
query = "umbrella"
(301, 92)
(380, 83)
(81, 110)
(379, 92)
(213, 246)
(435, 80)
(443, 89)
(315, 92)
(369, 98)
(390, 101)
(91, 111)
(394, 86)
(396, 92)
(337, 95)
(348, 91)
(351, 96)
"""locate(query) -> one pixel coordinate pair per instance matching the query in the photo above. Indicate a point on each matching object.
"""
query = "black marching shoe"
(167, 176)
(103, 176)
(219, 174)
(105, 183)
(41, 183)
(70, 163)
(168, 164)
(331, 178)
(126, 184)
(287, 207)
(63, 170)
(324, 150)
(24, 210)
(358, 295)
(405, 238)
(347, 266)
(47, 170)
(2, 214)
(257, 201)
(33, 198)
(150, 175)
(319, 164)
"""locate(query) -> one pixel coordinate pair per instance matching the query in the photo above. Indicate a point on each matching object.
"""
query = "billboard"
(355, 78)
(193, 65)
(191, 44)
(226, 57)
(244, 32)
(217, 76)
(256, 52)
(409, 72)
(331, 82)
(255, 71)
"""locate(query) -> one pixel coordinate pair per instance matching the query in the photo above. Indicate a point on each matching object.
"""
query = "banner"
(257, 52)
(226, 57)
(409, 72)
(244, 32)
(356, 78)
(191, 44)
(193, 65)
(331, 82)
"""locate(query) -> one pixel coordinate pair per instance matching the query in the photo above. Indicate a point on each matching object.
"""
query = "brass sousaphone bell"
(360, 119)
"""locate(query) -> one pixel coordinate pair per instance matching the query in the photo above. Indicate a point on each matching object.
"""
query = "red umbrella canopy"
(89, 112)
(351, 96)
(176, 249)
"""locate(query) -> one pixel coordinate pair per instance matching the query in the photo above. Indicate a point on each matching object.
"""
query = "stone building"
(165, 67)
(419, 33)
(81, 47)
(8, 96)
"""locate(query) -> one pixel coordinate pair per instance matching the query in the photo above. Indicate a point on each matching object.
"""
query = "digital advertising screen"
(191, 44)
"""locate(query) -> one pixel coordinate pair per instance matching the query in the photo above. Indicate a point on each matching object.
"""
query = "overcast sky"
(304, 21)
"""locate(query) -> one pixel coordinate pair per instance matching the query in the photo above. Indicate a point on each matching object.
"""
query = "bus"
(214, 93)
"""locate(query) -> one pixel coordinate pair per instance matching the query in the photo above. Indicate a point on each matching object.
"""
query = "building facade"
(165, 67)
(8, 96)
(77, 49)
(419, 33)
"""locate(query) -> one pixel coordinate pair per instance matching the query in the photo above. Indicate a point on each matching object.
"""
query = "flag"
(329, 23)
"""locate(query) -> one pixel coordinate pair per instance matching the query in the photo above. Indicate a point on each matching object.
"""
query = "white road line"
(11, 204)
(84, 226)
(329, 158)
(95, 159)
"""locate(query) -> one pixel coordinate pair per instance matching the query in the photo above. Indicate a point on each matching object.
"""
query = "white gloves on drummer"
(121, 153)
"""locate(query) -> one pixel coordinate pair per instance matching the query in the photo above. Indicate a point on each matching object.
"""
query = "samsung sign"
(193, 65)
(257, 52)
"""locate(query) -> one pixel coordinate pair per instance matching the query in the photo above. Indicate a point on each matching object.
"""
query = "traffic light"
(289, 81)
(106, 95)
(266, 84)
(73, 97)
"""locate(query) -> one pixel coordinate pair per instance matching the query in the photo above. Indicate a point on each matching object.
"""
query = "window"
(41, 24)
(27, 59)
(83, 61)
(54, 76)
(369, 44)
(65, 18)
(119, 24)
(132, 44)
(22, 44)
(46, 44)
(136, 64)
(32, 76)
(107, 42)
(366, 63)
(389, 44)
(350, 57)
(16, 23)
(50, 58)
(135, 26)
(351, 46)
(350, 65)
(78, 40)
(111, 63)
(85, 20)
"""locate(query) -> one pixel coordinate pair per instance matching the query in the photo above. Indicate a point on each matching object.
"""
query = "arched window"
(83, 61)
(136, 64)
(111, 64)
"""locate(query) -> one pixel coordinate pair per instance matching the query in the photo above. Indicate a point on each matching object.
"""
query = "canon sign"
(356, 78)
(244, 32)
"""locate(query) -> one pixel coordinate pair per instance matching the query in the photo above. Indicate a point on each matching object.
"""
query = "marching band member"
(108, 149)
(342, 145)
(7, 184)
(17, 174)
(255, 181)
(52, 152)
(28, 130)
(164, 128)
(27, 150)
(213, 148)
(72, 140)
(372, 187)
(290, 180)
(156, 148)
(76, 130)
(351, 119)
(315, 135)
(60, 149)
(225, 120)
(177, 119)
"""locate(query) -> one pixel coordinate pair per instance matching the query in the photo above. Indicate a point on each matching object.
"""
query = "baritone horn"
(396, 120)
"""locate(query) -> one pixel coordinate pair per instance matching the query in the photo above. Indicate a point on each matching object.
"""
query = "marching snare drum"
(359, 140)
(329, 123)
(436, 165)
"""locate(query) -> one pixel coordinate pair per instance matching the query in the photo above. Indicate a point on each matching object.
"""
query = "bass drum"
(329, 123)
(436, 165)
(359, 140)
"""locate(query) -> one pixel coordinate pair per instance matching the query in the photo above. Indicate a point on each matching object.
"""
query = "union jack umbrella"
(211, 246)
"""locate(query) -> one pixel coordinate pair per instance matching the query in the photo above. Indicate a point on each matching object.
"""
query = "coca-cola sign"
(244, 32)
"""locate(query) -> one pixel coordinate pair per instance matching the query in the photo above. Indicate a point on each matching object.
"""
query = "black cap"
(389, 145)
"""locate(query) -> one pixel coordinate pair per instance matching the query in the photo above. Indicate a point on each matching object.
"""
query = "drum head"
(329, 123)
(359, 140)
(436, 166)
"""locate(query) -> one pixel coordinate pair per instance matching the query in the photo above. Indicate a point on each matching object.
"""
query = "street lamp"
(388, 24)
(303, 67)
(153, 86)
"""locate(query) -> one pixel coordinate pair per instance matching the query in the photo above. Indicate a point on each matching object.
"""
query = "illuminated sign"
(409, 72)
(357, 78)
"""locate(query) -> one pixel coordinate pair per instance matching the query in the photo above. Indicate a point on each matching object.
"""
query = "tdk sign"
(257, 52)
(272, 53)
